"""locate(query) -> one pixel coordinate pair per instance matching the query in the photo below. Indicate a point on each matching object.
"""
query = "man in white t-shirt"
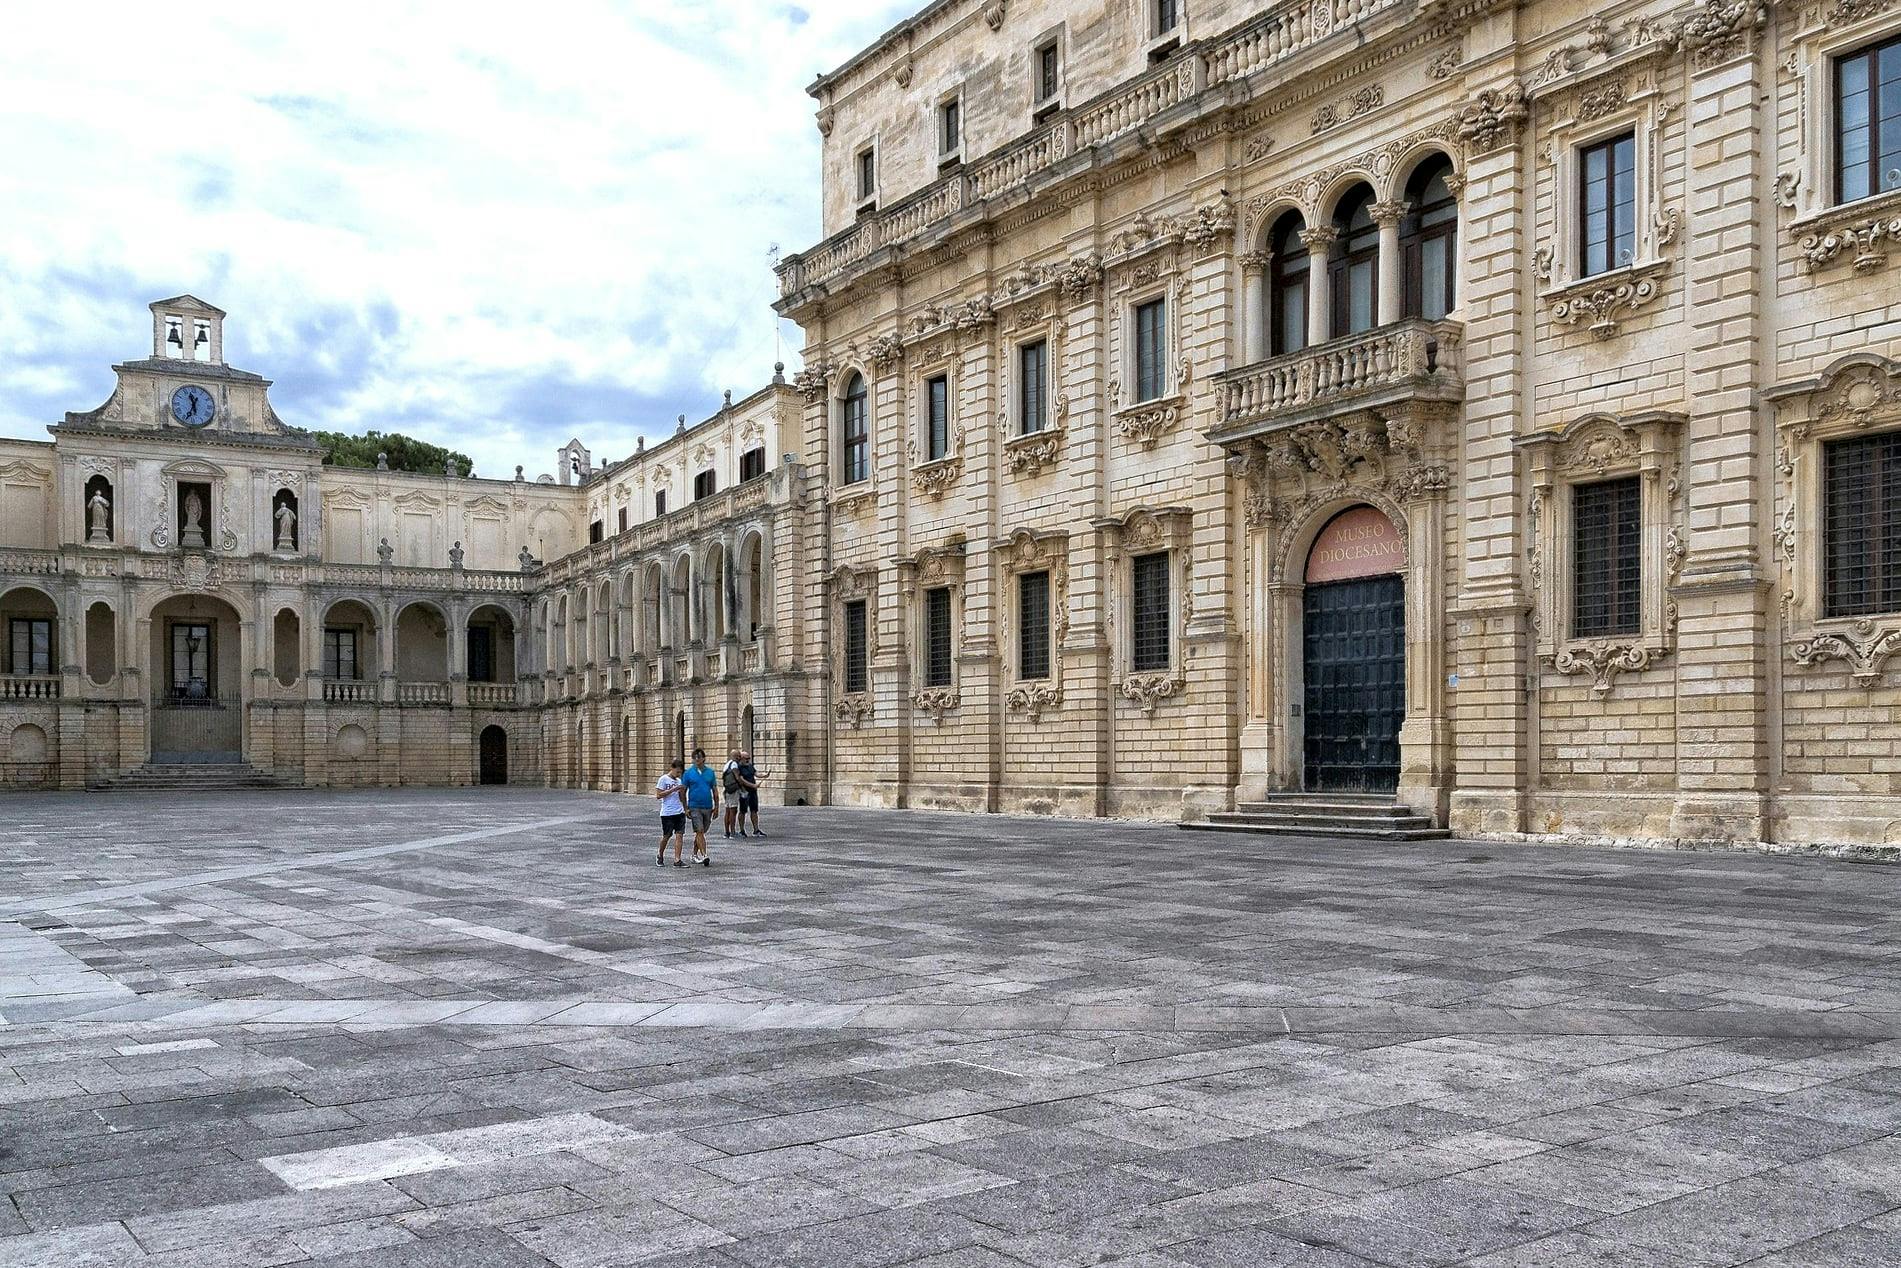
(672, 812)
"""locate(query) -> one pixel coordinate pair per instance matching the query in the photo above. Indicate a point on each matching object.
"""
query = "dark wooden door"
(1355, 640)
(494, 755)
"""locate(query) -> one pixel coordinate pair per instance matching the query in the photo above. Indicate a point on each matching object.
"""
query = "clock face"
(193, 406)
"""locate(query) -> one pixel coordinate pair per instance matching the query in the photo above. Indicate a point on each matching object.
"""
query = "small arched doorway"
(492, 749)
(1354, 654)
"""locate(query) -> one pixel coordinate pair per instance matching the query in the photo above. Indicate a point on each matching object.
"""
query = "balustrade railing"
(348, 691)
(1254, 46)
(29, 687)
(750, 659)
(422, 693)
(30, 562)
(492, 694)
(1406, 352)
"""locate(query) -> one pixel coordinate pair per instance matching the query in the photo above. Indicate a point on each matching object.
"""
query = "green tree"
(405, 453)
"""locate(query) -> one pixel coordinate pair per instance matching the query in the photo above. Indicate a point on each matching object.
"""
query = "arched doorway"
(493, 755)
(1354, 654)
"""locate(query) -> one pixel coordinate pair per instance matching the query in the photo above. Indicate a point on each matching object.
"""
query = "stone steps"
(1352, 815)
(192, 777)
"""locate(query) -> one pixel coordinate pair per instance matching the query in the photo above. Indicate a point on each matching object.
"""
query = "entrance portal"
(493, 747)
(1354, 652)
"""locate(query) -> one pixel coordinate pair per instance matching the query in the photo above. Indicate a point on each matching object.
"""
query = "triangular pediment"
(186, 304)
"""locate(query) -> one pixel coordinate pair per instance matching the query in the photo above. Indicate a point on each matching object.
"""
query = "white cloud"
(485, 224)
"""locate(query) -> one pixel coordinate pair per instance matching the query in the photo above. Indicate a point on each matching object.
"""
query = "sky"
(492, 226)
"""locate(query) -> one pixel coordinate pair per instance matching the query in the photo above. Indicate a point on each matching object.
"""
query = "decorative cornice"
(1148, 690)
(1033, 698)
(1147, 423)
(1029, 454)
(1606, 299)
(1865, 648)
(1862, 236)
(931, 479)
(1603, 661)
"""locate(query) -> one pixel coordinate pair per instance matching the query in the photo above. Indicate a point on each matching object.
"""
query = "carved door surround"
(1291, 481)
(1857, 395)
(1647, 444)
(220, 535)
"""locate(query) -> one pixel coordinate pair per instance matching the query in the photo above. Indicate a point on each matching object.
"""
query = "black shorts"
(749, 801)
(671, 824)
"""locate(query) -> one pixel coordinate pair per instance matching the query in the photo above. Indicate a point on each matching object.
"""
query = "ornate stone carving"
(1424, 481)
(1605, 99)
(1865, 239)
(885, 349)
(1445, 65)
(811, 381)
(1335, 113)
(934, 701)
(1787, 183)
(1603, 661)
(1033, 698)
(1077, 278)
(824, 119)
(1846, 11)
(1717, 30)
(1145, 425)
(904, 72)
(1493, 118)
(853, 709)
(1857, 394)
(1208, 223)
(1865, 648)
(931, 479)
(1149, 690)
(993, 14)
(1607, 301)
(1030, 454)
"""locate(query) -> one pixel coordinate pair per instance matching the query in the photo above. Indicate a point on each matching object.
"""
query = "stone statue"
(98, 510)
(193, 537)
(518, 474)
(527, 560)
(286, 527)
(382, 462)
(455, 555)
(449, 469)
(385, 552)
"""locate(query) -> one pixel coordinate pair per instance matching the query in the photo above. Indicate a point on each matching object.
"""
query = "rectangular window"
(594, 532)
(339, 654)
(1151, 350)
(1167, 14)
(191, 663)
(1049, 72)
(752, 464)
(1607, 196)
(659, 503)
(621, 520)
(1149, 628)
(867, 174)
(32, 646)
(1033, 625)
(857, 667)
(857, 435)
(1861, 538)
(481, 654)
(1606, 558)
(937, 637)
(950, 128)
(704, 485)
(937, 418)
(1033, 373)
(1868, 121)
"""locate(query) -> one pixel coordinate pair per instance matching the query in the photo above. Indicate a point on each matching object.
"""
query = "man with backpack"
(729, 780)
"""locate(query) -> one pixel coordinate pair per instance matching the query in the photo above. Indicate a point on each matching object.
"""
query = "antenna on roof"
(778, 326)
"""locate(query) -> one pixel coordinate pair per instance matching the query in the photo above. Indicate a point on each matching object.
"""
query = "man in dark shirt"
(748, 795)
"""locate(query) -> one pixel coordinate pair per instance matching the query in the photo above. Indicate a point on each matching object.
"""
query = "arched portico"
(198, 651)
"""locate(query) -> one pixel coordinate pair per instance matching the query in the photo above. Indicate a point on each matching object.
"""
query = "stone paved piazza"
(481, 1028)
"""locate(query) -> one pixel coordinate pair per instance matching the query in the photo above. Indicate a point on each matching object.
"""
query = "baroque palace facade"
(1493, 405)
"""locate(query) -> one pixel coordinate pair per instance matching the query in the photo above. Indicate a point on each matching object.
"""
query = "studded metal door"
(1355, 644)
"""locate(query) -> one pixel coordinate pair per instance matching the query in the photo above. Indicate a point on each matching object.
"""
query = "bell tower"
(185, 328)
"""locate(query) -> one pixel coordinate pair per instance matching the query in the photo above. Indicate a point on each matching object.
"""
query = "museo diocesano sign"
(1361, 542)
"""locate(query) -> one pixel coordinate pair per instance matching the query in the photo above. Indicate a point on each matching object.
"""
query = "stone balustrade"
(422, 693)
(491, 695)
(1378, 362)
(29, 687)
(348, 691)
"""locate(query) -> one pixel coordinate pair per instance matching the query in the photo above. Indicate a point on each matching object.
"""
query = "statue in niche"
(193, 537)
(99, 511)
(286, 527)
(385, 552)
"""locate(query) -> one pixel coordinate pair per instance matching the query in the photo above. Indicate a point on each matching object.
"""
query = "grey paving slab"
(468, 1026)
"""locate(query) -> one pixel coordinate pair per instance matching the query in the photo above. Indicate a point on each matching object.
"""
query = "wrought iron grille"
(1150, 651)
(1607, 558)
(937, 637)
(1862, 534)
(1033, 625)
(856, 669)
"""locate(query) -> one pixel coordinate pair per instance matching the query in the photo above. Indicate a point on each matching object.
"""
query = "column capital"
(1319, 238)
(1255, 261)
(1387, 214)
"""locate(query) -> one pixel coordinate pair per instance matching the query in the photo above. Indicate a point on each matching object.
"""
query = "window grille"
(857, 669)
(1862, 530)
(1033, 625)
(1607, 558)
(937, 637)
(1150, 626)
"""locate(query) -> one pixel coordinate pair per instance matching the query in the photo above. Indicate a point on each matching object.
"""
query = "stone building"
(181, 579)
(1497, 404)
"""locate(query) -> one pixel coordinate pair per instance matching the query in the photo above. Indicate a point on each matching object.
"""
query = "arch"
(99, 511)
(351, 741)
(102, 642)
(1356, 541)
(1400, 176)
(679, 736)
(682, 622)
(490, 642)
(287, 629)
(606, 623)
(422, 642)
(627, 629)
(653, 605)
(287, 524)
(754, 585)
(1326, 207)
(580, 651)
(854, 429)
(1298, 540)
(1289, 285)
(492, 755)
(746, 729)
(1429, 240)
(1353, 263)
(29, 619)
(560, 655)
(716, 607)
(199, 651)
(27, 745)
(349, 635)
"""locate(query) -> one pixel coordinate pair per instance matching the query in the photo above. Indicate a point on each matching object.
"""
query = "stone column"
(1387, 216)
(1319, 240)
(1259, 536)
(1254, 332)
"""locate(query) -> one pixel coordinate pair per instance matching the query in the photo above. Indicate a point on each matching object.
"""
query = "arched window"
(856, 463)
(1354, 268)
(1429, 241)
(1287, 286)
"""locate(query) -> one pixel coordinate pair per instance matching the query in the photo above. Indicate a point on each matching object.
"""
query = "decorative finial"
(728, 402)
(382, 462)
(681, 430)
(778, 371)
(518, 473)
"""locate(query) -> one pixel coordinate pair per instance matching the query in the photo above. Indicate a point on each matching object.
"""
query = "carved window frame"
(220, 537)
(1041, 317)
(1146, 531)
(850, 496)
(1588, 450)
(1858, 395)
(1021, 552)
(931, 569)
(1629, 98)
(948, 365)
(1154, 274)
(1824, 230)
(852, 584)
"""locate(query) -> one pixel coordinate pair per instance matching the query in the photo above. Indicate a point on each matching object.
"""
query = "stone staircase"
(1362, 816)
(173, 776)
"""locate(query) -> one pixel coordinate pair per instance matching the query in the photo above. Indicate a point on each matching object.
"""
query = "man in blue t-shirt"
(702, 802)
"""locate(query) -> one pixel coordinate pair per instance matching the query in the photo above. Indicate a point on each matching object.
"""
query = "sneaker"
(678, 863)
(759, 832)
(706, 860)
(661, 861)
